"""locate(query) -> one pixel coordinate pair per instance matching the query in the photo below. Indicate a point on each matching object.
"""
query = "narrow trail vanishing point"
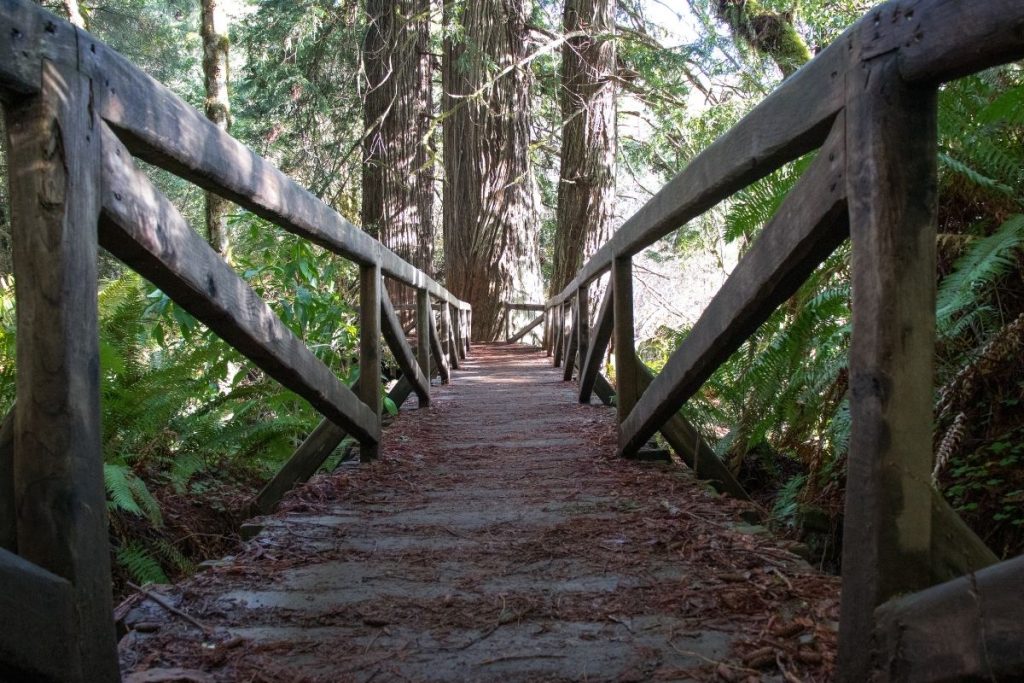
(498, 538)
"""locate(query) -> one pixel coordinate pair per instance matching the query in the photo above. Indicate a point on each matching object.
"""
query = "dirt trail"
(498, 538)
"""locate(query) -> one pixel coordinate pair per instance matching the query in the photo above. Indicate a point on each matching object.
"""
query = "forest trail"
(498, 538)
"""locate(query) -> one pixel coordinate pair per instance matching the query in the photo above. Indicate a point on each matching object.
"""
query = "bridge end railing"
(77, 116)
(868, 104)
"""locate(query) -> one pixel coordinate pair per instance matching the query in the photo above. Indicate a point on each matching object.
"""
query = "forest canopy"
(495, 145)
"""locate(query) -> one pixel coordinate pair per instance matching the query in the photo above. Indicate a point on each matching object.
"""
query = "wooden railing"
(77, 113)
(868, 104)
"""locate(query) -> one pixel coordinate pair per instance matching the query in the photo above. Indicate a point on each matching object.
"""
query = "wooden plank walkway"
(497, 538)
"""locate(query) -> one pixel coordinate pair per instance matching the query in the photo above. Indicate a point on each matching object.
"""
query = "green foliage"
(140, 564)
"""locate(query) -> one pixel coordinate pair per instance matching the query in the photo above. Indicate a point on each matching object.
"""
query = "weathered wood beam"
(440, 359)
(790, 122)
(161, 128)
(969, 629)
(572, 339)
(941, 40)
(891, 180)
(690, 446)
(602, 335)
(423, 316)
(955, 549)
(55, 186)
(518, 336)
(302, 465)
(142, 228)
(394, 336)
(808, 227)
(37, 635)
(370, 285)
(558, 313)
(582, 325)
(536, 308)
(448, 334)
(548, 351)
(8, 509)
(460, 333)
(627, 384)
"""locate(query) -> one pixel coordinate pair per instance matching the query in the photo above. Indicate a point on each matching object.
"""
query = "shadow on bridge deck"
(498, 538)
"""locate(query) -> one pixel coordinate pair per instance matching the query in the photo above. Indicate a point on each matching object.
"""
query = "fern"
(140, 564)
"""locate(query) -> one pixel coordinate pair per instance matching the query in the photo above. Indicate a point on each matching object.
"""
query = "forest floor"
(497, 538)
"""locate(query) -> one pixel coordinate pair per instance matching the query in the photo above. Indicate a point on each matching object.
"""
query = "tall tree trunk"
(586, 187)
(218, 110)
(770, 33)
(73, 13)
(491, 235)
(398, 192)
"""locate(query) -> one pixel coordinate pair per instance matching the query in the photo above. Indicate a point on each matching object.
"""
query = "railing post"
(557, 332)
(450, 344)
(547, 331)
(54, 175)
(508, 322)
(369, 348)
(582, 325)
(626, 380)
(891, 149)
(423, 331)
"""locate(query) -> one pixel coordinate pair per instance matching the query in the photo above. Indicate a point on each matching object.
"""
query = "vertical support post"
(508, 322)
(582, 325)
(444, 331)
(891, 149)
(547, 331)
(571, 343)
(54, 175)
(369, 348)
(626, 379)
(423, 331)
(559, 333)
(449, 335)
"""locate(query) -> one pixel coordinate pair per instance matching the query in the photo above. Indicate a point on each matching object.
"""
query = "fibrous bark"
(218, 110)
(397, 189)
(491, 236)
(586, 189)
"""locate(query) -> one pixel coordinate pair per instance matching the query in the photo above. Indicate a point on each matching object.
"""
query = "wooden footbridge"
(922, 597)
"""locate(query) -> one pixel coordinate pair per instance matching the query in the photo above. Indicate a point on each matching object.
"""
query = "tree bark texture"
(491, 233)
(215, 78)
(586, 186)
(398, 192)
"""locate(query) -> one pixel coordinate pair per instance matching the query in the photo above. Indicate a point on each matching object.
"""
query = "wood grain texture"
(627, 388)
(530, 326)
(955, 549)
(391, 328)
(302, 465)
(808, 226)
(582, 325)
(143, 229)
(691, 447)
(891, 142)
(423, 315)
(37, 641)
(159, 127)
(967, 629)
(571, 340)
(437, 351)
(54, 166)
(598, 346)
(8, 510)
(370, 286)
(558, 323)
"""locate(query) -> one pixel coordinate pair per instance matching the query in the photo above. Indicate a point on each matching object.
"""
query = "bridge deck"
(498, 538)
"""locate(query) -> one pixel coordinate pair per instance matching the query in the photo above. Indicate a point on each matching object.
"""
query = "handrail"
(77, 113)
(869, 102)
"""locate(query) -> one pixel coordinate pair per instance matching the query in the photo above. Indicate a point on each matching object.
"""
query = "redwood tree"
(586, 187)
(215, 78)
(397, 189)
(491, 232)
